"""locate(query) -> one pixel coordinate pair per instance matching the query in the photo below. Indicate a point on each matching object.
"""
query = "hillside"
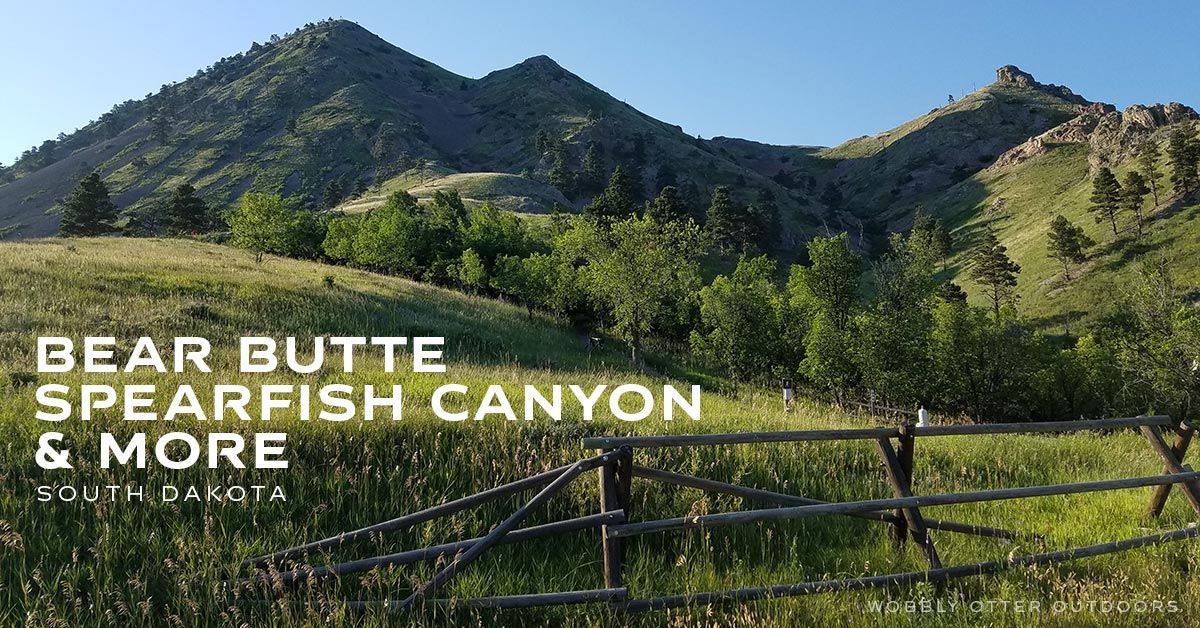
(508, 192)
(1019, 194)
(334, 103)
(151, 563)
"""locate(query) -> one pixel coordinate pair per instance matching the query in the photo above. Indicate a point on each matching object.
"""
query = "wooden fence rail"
(842, 508)
(615, 463)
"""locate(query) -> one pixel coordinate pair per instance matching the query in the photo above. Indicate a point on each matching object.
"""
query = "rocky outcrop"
(1012, 76)
(1113, 136)
(1117, 135)
(1077, 130)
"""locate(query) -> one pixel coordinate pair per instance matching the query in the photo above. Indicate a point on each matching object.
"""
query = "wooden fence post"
(615, 480)
(904, 452)
(1172, 459)
(901, 488)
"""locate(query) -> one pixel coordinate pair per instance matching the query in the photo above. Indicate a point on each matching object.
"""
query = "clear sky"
(786, 72)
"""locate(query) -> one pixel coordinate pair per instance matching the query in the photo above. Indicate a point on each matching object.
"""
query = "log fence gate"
(616, 466)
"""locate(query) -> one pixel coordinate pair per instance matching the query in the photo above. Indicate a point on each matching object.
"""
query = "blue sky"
(780, 72)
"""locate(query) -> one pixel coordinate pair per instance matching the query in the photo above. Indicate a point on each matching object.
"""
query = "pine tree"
(932, 234)
(1147, 160)
(667, 207)
(1132, 194)
(88, 211)
(332, 195)
(951, 292)
(996, 272)
(541, 143)
(615, 202)
(665, 177)
(561, 176)
(724, 223)
(593, 168)
(1106, 198)
(763, 219)
(831, 197)
(186, 212)
(1182, 154)
(943, 242)
(1068, 243)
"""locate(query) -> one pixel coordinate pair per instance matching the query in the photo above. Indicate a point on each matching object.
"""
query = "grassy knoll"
(133, 563)
(508, 192)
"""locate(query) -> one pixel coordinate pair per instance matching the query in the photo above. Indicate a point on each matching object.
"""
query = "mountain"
(1008, 158)
(332, 102)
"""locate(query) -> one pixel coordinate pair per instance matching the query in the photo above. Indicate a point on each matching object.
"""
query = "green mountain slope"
(1020, 194)
(334, 103)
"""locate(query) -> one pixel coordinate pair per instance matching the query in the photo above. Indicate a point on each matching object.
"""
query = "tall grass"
(153, 563)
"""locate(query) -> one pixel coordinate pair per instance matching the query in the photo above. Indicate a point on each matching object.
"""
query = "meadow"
(155, 563)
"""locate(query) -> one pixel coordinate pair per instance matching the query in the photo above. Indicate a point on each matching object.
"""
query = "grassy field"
(156, 563)
(508, 192)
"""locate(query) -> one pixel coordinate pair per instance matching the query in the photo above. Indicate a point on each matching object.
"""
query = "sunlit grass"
(153, 563)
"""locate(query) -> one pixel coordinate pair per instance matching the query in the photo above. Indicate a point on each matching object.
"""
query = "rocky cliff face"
(1012, 76)
(1113, 135)
(1117, 135)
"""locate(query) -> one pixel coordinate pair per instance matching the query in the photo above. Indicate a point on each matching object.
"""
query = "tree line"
(845, 325)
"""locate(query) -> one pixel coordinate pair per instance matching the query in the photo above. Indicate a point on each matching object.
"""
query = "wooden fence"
(616, 466)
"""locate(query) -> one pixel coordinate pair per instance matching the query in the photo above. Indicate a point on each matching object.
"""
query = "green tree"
(1106, 198)
(265, 223)
(641, 274)
(471, 271)
(1183, 153)
(933, 235)
(831, 281)
(831, 197)
(826, 295)
(339, 238)
(616, 201)
(828, 356)
(763, 218)
(951, 292)
(1147, 163)
(1068, 243)
(492, 233)
(88, 211)
(1158, 346)
(393, 238)
(592, 177)
(531, 280)
(185, 212)
(995, 272)
(667, 207)
(1133, 195)
(892, 333)
(739, 319)
(333, 194)
(726, 222)
(561, 176)
(665, 177)
(1086, 380)
(360, 188)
